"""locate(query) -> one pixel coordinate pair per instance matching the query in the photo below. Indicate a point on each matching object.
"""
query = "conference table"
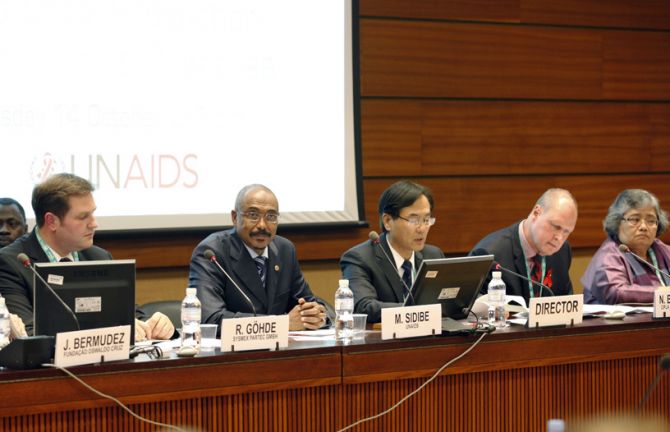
(512, 380)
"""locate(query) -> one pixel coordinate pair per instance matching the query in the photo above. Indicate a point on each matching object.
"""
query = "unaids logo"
(44, 166)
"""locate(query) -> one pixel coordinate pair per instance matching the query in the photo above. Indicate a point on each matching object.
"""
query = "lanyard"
(47, 250)
(653, 259)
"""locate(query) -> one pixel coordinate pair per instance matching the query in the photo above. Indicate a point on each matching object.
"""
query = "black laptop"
(454, 283)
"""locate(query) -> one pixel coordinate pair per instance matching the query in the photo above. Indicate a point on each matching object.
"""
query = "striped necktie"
(262, 267)
(406, 277)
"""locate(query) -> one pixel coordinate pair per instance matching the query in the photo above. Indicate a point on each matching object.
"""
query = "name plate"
(553, 311)
(255, 333)
(92, 346)
(411, 321)
(662, 302)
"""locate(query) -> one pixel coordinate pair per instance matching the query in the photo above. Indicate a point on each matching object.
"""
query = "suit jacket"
(505, 245)
(374, 279)
(16, 281)
(285, 283)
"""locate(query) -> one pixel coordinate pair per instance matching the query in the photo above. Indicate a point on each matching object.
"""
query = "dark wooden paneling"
(636, 65)
(468, 60)
(428, 59)
(469, 208)
(466, 10)
(415, 137)
(648, 14)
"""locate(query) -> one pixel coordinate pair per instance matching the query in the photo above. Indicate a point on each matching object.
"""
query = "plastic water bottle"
(4, 324)
(555, 425)
(497, 300)
(344, 308)
(191, 314)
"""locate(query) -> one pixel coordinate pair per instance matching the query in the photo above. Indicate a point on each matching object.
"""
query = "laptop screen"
(452, 282)
(100, 293)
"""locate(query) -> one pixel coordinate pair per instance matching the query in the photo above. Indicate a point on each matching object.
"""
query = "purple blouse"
(613, 277)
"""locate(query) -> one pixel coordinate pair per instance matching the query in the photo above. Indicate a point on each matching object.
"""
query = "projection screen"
(169, 107)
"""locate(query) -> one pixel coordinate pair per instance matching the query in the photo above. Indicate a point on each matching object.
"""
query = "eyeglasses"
(254, 216)
(414, 220)
(636, 220)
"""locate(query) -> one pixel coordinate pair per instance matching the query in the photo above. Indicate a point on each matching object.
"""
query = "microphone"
(663, 365)
(25, 261)
(625, 249)
(478, 252)
(375, 240)
(211, 256)
(541, 285)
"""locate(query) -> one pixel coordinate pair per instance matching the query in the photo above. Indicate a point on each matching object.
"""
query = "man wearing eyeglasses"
(536, 247)
(381, 271)
(263, 264)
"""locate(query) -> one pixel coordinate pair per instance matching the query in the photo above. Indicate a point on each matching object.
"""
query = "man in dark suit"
(263, 264)
(381, 272)
(64, 207)
(536, 247)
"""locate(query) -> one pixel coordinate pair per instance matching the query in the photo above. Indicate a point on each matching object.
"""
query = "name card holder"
(662, 303)
(555, 311)
(92, 346)
(411, 321)
(254, 333)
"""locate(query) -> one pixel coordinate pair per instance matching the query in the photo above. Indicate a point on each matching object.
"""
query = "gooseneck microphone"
(663, 365)
(25, 261)
(499, 266)
(211, 256)
(541, 285)
(376, 240)
(625, 249)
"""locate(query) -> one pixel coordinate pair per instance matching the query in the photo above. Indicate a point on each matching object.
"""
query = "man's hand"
(307, 315)
(141, 330)
(17, 329)
(160, 327)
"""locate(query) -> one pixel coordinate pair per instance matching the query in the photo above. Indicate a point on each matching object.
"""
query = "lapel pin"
(276, 267)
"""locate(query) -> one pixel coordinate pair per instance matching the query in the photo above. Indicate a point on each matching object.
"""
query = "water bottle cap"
(344, 283)
(497, 274)
(191, 291)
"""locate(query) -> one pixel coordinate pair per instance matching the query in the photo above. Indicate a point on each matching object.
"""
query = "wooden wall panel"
(636, 65)
(455, 60)
(635, 14)
(449, 138)
(427, 59)
(466, 10)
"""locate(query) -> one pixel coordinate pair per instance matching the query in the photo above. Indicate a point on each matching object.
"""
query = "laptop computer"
(454, 283)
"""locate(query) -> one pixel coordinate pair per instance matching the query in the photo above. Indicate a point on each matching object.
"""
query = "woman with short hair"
(622, 270)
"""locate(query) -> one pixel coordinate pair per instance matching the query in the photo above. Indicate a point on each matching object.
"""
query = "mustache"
(260, 232)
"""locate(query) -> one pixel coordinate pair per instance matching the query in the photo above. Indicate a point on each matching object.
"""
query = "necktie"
(407, 277)
(65, 259)
(536, 273)
(261, 266)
